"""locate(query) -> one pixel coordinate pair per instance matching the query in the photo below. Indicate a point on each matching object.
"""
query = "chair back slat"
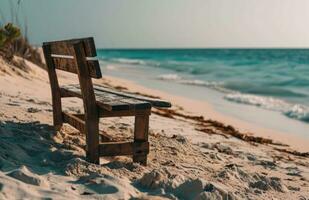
(69, 65)
(64, 47)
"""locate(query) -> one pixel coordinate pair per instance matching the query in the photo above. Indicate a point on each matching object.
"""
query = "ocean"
(271, 79)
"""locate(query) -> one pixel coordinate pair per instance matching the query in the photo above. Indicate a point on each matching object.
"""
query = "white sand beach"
(191, 157)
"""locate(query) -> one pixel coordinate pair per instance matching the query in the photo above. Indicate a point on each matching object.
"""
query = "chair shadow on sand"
(31, 145)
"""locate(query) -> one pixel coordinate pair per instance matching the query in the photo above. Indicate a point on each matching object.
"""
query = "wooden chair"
(77, 56)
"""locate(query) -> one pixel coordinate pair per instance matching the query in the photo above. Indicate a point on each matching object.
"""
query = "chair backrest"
(63, 55)
(76, 56)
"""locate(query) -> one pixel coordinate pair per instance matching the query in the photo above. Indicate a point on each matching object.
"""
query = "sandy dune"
(184, 162)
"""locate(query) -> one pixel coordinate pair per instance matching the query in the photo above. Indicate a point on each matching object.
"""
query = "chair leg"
(141, 127)
(92, 139)
(57, 113)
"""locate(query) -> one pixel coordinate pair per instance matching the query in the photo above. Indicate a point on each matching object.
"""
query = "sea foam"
(299, 112)
(294, 111)
(129, 61)
(196, 82)
(169, 77)
(269, 103)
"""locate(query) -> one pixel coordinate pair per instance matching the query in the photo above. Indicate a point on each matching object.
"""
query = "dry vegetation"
(14, 41)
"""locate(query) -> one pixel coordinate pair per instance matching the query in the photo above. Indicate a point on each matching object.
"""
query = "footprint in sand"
(26, 176)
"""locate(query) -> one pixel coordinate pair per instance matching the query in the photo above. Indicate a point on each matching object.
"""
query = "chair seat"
(112, 100)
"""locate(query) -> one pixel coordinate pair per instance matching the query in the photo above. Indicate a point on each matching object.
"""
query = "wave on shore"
(176, 78)
(127, 61)
(294, 111)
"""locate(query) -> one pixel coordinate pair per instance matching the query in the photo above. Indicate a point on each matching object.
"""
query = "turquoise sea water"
(272, 79)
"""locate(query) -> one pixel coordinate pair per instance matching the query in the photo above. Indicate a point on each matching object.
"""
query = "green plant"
(13, 36)
(8, 34)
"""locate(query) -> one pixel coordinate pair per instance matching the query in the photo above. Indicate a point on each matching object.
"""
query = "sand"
(185, 162)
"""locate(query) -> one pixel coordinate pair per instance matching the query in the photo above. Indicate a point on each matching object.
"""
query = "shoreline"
(203, 108)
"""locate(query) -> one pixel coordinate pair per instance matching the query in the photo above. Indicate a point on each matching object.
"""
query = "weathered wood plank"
(122, 113)
(78, 122)
(66, 92)
(90, 107)
(65, 47)
(125, 102)
(107, 101)
(55, 89)
(154, 102)
(141, 127)
(123, 148)
(74, 121)
(69, 65)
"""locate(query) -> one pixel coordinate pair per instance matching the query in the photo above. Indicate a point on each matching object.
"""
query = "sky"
(167, 23)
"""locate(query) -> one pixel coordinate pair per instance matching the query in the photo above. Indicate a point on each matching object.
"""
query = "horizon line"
(183, 48)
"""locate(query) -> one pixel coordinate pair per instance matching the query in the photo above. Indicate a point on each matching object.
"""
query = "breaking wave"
(179, 79)
(294, 111)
